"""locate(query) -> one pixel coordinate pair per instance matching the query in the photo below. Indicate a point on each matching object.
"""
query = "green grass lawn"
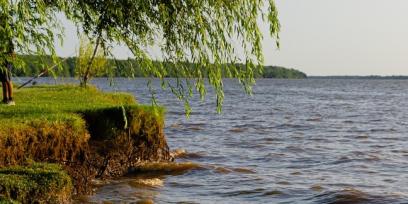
(54, 103)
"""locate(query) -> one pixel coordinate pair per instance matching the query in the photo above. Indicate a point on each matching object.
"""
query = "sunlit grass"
(55, 103)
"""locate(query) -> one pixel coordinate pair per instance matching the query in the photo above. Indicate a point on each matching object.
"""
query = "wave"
(172, 168)
(245, 192)
(238, 130)
(349, 196)
(182, 153)
(152, 182)
(227, 170)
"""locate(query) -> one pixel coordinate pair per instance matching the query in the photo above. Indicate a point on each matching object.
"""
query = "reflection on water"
(294, 141)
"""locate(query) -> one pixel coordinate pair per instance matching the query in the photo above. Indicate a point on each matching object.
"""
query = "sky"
(327, 37)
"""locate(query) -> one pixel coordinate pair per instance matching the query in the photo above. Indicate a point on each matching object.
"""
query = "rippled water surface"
(293, 141)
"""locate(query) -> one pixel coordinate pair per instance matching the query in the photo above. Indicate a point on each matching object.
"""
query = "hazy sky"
(330, 37)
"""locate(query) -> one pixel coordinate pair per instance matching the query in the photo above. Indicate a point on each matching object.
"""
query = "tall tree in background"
(209, 34)
(85, 69)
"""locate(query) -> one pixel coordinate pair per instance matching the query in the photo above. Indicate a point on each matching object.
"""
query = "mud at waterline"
(144, 181)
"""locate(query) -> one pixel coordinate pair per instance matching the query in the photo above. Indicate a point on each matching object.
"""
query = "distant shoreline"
(359, 77)
(125, 68)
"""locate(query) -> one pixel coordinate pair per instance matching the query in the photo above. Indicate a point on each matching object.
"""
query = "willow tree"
(199, 39)
(31, 27)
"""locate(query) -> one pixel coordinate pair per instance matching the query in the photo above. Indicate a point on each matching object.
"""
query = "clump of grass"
(92, 134)
(35, 183)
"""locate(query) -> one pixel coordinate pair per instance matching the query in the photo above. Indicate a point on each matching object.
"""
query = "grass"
(35, 183)
(90, 133)
(56, 103)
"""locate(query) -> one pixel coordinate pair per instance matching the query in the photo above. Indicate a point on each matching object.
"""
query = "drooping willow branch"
(200, 40)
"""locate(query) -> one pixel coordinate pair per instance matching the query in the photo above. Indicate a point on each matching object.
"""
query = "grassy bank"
(90, 133)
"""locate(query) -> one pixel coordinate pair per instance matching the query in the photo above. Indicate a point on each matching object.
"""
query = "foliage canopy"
(212, 34)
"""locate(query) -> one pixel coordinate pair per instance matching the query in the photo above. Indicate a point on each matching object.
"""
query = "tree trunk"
(87, 71)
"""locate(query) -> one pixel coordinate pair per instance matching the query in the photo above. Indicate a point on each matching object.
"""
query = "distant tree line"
(282, 73)
(126, 68)
(361, 77)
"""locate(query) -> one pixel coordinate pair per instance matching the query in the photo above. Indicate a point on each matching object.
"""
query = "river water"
(293, 141)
